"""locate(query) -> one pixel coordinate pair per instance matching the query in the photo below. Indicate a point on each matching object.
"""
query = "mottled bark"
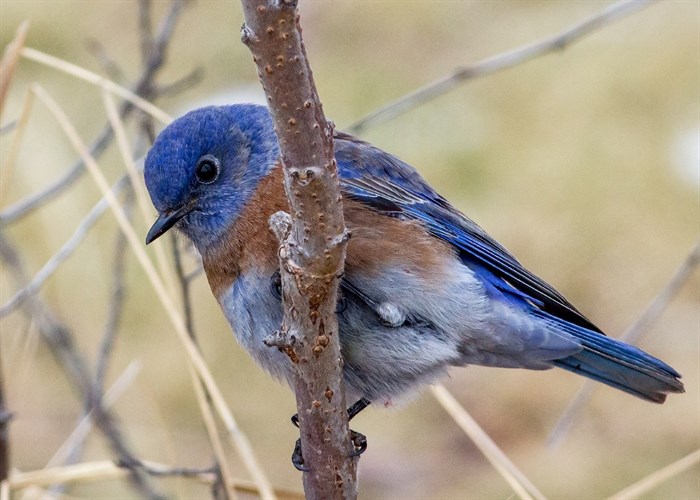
(313, 241)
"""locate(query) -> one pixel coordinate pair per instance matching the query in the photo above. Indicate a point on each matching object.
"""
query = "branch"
(506, 60)
(62, 255)
(106, 470)
(144, 88)
(5, 417)
(116, 305)
(650, 482)
(312, 242)
(631, 336)
(9, 61)
(61, 341)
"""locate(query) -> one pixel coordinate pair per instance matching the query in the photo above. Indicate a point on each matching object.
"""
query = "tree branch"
(62, 255)
(312, 243)
(61, 342)
(500, 62)
(5, 417)
(143, 87)
(631, 335)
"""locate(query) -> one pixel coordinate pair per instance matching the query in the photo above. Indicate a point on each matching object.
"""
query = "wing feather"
(390, 186)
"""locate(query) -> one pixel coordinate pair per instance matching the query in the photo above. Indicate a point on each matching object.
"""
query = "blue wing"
(392, 187)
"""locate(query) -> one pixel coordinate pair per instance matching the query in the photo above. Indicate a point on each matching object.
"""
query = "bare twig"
(223, 468)
(146, 29)
(133, 98)
(516, 479)
(195, 273)
(10, 162)
(184, 83)
(36, 200)
(500, 62)
(311, 260)
(184, 287)
(64, 253)
(105, 470)
(136, 180)
(9, 61)
(106, 62)
(82, 429)
(5, 417)
(224, 487)
(143, 90)
(116, 304)
(631, 335)
(650, 482)
(7, 67)
(60, 340)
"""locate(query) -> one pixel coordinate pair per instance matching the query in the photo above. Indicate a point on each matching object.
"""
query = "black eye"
(207, 169)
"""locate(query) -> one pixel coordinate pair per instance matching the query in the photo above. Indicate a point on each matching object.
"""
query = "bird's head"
(204, 166)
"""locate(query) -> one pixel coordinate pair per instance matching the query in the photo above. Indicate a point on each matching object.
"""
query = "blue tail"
(618, 365)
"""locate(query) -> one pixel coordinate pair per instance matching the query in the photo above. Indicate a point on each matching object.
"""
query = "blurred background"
(584, 163)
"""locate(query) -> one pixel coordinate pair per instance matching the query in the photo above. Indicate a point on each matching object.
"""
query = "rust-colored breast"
(248, 243)
(377, 241)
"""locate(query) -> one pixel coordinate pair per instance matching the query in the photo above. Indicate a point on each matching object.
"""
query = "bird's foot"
(298, 458)
(359, 443)
(359, 440)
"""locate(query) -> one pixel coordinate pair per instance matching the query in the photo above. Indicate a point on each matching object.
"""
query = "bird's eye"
(207, 169)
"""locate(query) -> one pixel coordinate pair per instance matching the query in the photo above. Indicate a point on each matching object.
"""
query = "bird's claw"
(359, 442)
(297, 457)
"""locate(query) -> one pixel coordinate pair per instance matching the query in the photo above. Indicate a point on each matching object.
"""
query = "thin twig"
(137, 183)
(633, 333)
(521, 485)
(106, 62)
(145, 29)
(650, 482)
(5, 417)
(81, 431)
(184, 83)
(195, 273)
(560, 41)
(143, 90)
(10, 163)
(9, 61)
(34, 201)
(62, 255)
(131, 96)
(223, 468)
(105, 470)
(184, 287)
(116, 304)
(60, 339)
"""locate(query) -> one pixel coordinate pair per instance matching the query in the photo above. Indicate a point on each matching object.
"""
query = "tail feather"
(619, 365)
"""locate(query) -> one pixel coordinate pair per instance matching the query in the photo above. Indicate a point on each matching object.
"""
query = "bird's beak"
(165, 221)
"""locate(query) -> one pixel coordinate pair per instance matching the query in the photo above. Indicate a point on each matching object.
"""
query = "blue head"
(204, 166)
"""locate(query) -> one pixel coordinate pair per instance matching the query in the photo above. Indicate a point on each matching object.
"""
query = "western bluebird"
(424, 288)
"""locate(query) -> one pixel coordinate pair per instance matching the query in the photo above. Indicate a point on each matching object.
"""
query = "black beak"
(166, 221)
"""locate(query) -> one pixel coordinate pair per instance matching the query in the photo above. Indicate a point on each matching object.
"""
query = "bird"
(424, 287)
